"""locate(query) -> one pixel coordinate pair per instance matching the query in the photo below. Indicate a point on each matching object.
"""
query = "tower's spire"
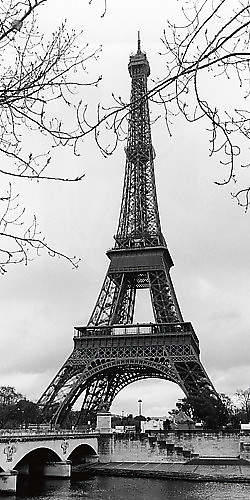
(139, 43)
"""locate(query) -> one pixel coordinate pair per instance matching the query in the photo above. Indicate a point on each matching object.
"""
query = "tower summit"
(138, 63)
(112, 352)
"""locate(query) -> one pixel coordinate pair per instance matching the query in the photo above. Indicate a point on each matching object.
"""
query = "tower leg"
(165, 306)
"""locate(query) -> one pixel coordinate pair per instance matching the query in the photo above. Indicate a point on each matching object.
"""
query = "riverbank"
(230, 470)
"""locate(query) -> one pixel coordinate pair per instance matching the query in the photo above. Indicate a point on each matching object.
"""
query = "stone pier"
(245, 442)
(60, 470)
(105, 438)
(8, 480)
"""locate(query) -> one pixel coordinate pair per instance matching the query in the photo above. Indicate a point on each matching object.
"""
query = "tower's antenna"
(139, 43)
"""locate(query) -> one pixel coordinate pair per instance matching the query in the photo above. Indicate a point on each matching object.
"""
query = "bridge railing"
(5, 433)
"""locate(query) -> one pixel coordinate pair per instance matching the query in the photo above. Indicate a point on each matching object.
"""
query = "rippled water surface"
(116, 488)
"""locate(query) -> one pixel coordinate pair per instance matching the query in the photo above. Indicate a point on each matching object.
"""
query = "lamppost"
(139, 413)
(21, 414)
(139, 407)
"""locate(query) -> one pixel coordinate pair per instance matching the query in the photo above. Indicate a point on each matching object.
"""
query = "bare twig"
(213, 42)
(37, 74)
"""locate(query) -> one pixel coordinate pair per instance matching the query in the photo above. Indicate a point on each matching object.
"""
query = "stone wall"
(245, 445)
(175, 446)
(105, 447)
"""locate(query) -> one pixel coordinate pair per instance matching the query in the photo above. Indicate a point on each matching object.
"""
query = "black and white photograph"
(125, 249)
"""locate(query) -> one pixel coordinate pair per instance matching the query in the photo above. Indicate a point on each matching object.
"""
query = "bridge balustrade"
(7, 434)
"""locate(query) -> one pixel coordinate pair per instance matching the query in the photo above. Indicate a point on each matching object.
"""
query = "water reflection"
(115, 488)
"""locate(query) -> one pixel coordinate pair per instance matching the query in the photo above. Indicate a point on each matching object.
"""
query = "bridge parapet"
(6, 435)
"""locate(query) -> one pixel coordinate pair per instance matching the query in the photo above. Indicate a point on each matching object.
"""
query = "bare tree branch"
(19, 241)
(211, 45)
(41, 76)
(41, 89)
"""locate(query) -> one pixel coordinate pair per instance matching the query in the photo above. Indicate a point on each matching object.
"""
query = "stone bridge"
(49, 453)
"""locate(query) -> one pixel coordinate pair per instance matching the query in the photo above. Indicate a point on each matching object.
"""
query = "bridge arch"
(35, 454)
(82, 453)
(32, 460)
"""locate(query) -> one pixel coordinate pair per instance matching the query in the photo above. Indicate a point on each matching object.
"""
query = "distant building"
(130, 429)
(245, 427)
(119, 429)
(152, 425)
(181, 421)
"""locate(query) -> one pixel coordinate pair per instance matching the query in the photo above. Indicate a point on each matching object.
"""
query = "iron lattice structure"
(110, 352)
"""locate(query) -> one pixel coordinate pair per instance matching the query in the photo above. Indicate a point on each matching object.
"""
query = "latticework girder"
(116, 360)
(139, 222)
(165, 305)
(106, 356)
(116, 301)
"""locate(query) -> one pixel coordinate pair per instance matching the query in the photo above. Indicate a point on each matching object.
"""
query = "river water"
(116, 488)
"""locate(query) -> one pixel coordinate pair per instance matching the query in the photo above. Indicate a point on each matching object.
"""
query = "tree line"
(16, 411)
(223, 413)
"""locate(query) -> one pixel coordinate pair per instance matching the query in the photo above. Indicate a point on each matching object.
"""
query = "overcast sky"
(207, 234)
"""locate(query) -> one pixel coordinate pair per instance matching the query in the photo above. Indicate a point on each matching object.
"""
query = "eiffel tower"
(112, 352)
